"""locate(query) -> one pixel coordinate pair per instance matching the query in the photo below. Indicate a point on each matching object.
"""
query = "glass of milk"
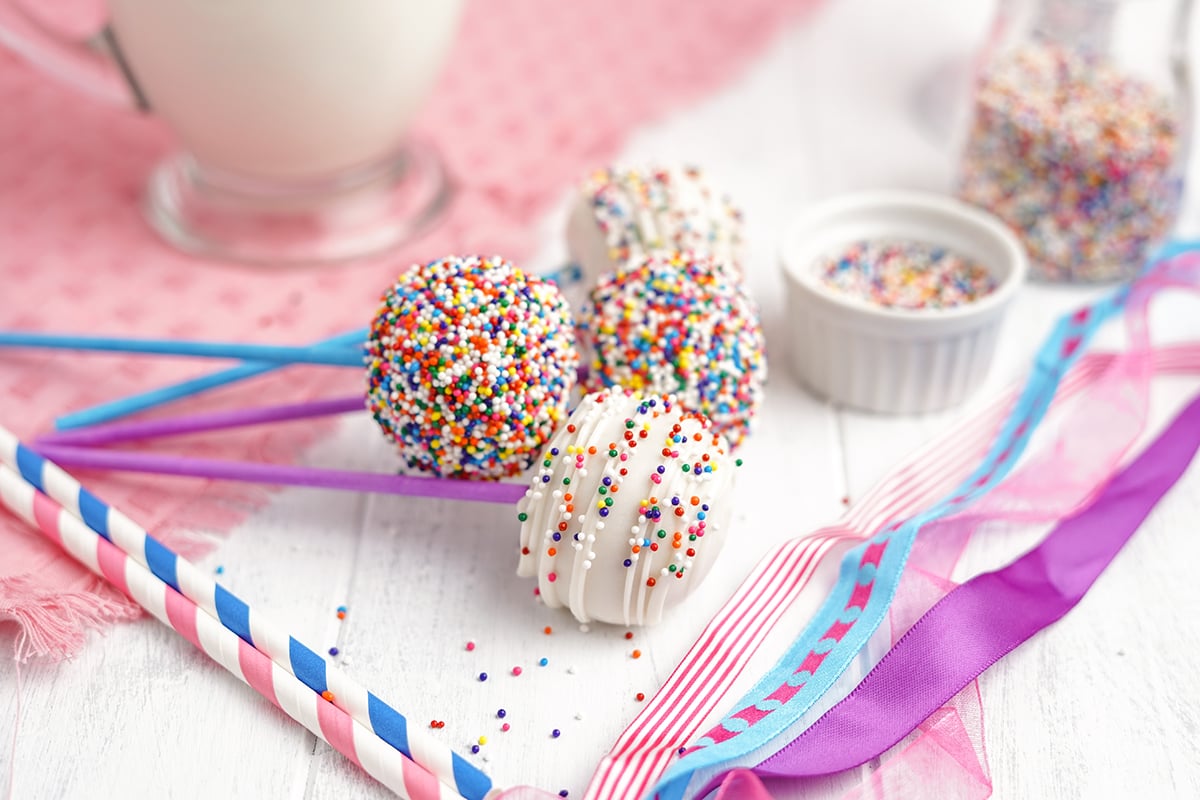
(292, 116)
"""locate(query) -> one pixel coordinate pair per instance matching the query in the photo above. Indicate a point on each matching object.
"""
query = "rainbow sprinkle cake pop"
(677, 323)
(622, 213)
(470, 363)
(628, 509)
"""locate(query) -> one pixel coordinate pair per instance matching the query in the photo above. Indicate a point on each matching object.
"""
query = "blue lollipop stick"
(116, 409)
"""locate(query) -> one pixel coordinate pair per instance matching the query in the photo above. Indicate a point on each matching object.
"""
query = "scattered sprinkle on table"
(556, 733)
(475, 748)
(341, 612)
(333, 651)
(640, 696)
(636, 654)
(1077, 157)
(482, 677)
(903, 274)
(547, 630)
(516, 670)
(220, 570)
(543, 662)
(501, 713)
(470, 646)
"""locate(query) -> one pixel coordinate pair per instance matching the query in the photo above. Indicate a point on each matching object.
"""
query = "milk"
(286, 90)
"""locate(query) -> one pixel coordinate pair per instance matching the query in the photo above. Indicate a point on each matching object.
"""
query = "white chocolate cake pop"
(621, 213)
(628, 509)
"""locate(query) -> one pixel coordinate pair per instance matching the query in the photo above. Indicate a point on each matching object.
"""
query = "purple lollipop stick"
(282, 475)
(198, 423)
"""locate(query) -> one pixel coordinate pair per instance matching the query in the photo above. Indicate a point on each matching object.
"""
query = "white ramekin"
(859, 354)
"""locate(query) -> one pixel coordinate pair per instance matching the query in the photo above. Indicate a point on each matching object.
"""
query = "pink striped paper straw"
(316, 713)
(234, 614)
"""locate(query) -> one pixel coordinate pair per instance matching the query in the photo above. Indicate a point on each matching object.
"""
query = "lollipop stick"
(115, 409)
(199, 423)
(285, 475)
(332, 356)
(565, 275)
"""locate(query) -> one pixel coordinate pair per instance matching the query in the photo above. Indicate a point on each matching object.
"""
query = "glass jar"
(1079, 131)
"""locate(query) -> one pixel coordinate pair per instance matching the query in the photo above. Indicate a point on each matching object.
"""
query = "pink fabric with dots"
(539, 92)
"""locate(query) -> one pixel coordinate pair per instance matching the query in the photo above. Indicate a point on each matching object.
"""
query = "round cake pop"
(470, 363)
(628, 509)
(622, 213)
(676, 323)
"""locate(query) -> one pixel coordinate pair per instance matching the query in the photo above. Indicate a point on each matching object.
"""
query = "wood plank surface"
(1101, 705)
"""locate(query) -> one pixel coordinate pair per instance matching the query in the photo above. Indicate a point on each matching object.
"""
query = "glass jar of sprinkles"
(1079, 131)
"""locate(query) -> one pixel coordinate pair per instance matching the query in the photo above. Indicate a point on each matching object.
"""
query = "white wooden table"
(1102, 705)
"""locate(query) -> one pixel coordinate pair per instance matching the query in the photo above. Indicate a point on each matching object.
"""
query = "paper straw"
(319, 715)
(331, 356)
(255, 630)
(471, 491)
(200, 423)
(116, 409)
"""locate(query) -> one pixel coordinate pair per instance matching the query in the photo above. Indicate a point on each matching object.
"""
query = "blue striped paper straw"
(318, 714)
(234, 614)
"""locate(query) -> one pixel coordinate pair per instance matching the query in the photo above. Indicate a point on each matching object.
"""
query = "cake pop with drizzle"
(622, 213)
(628, 509)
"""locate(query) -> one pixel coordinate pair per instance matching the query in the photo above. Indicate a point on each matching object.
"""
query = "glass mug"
(292, 116)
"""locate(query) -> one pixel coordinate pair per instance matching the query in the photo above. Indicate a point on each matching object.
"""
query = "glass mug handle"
(94, 65)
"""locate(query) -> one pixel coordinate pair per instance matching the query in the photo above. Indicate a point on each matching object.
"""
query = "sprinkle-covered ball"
(678, 323)
(470, 363)
(628, 509)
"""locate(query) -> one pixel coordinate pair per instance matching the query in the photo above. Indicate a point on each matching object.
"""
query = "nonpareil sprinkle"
(904, 274)
(1077, 156)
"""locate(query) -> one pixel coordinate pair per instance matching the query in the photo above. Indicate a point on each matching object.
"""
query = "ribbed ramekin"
(863, 355)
